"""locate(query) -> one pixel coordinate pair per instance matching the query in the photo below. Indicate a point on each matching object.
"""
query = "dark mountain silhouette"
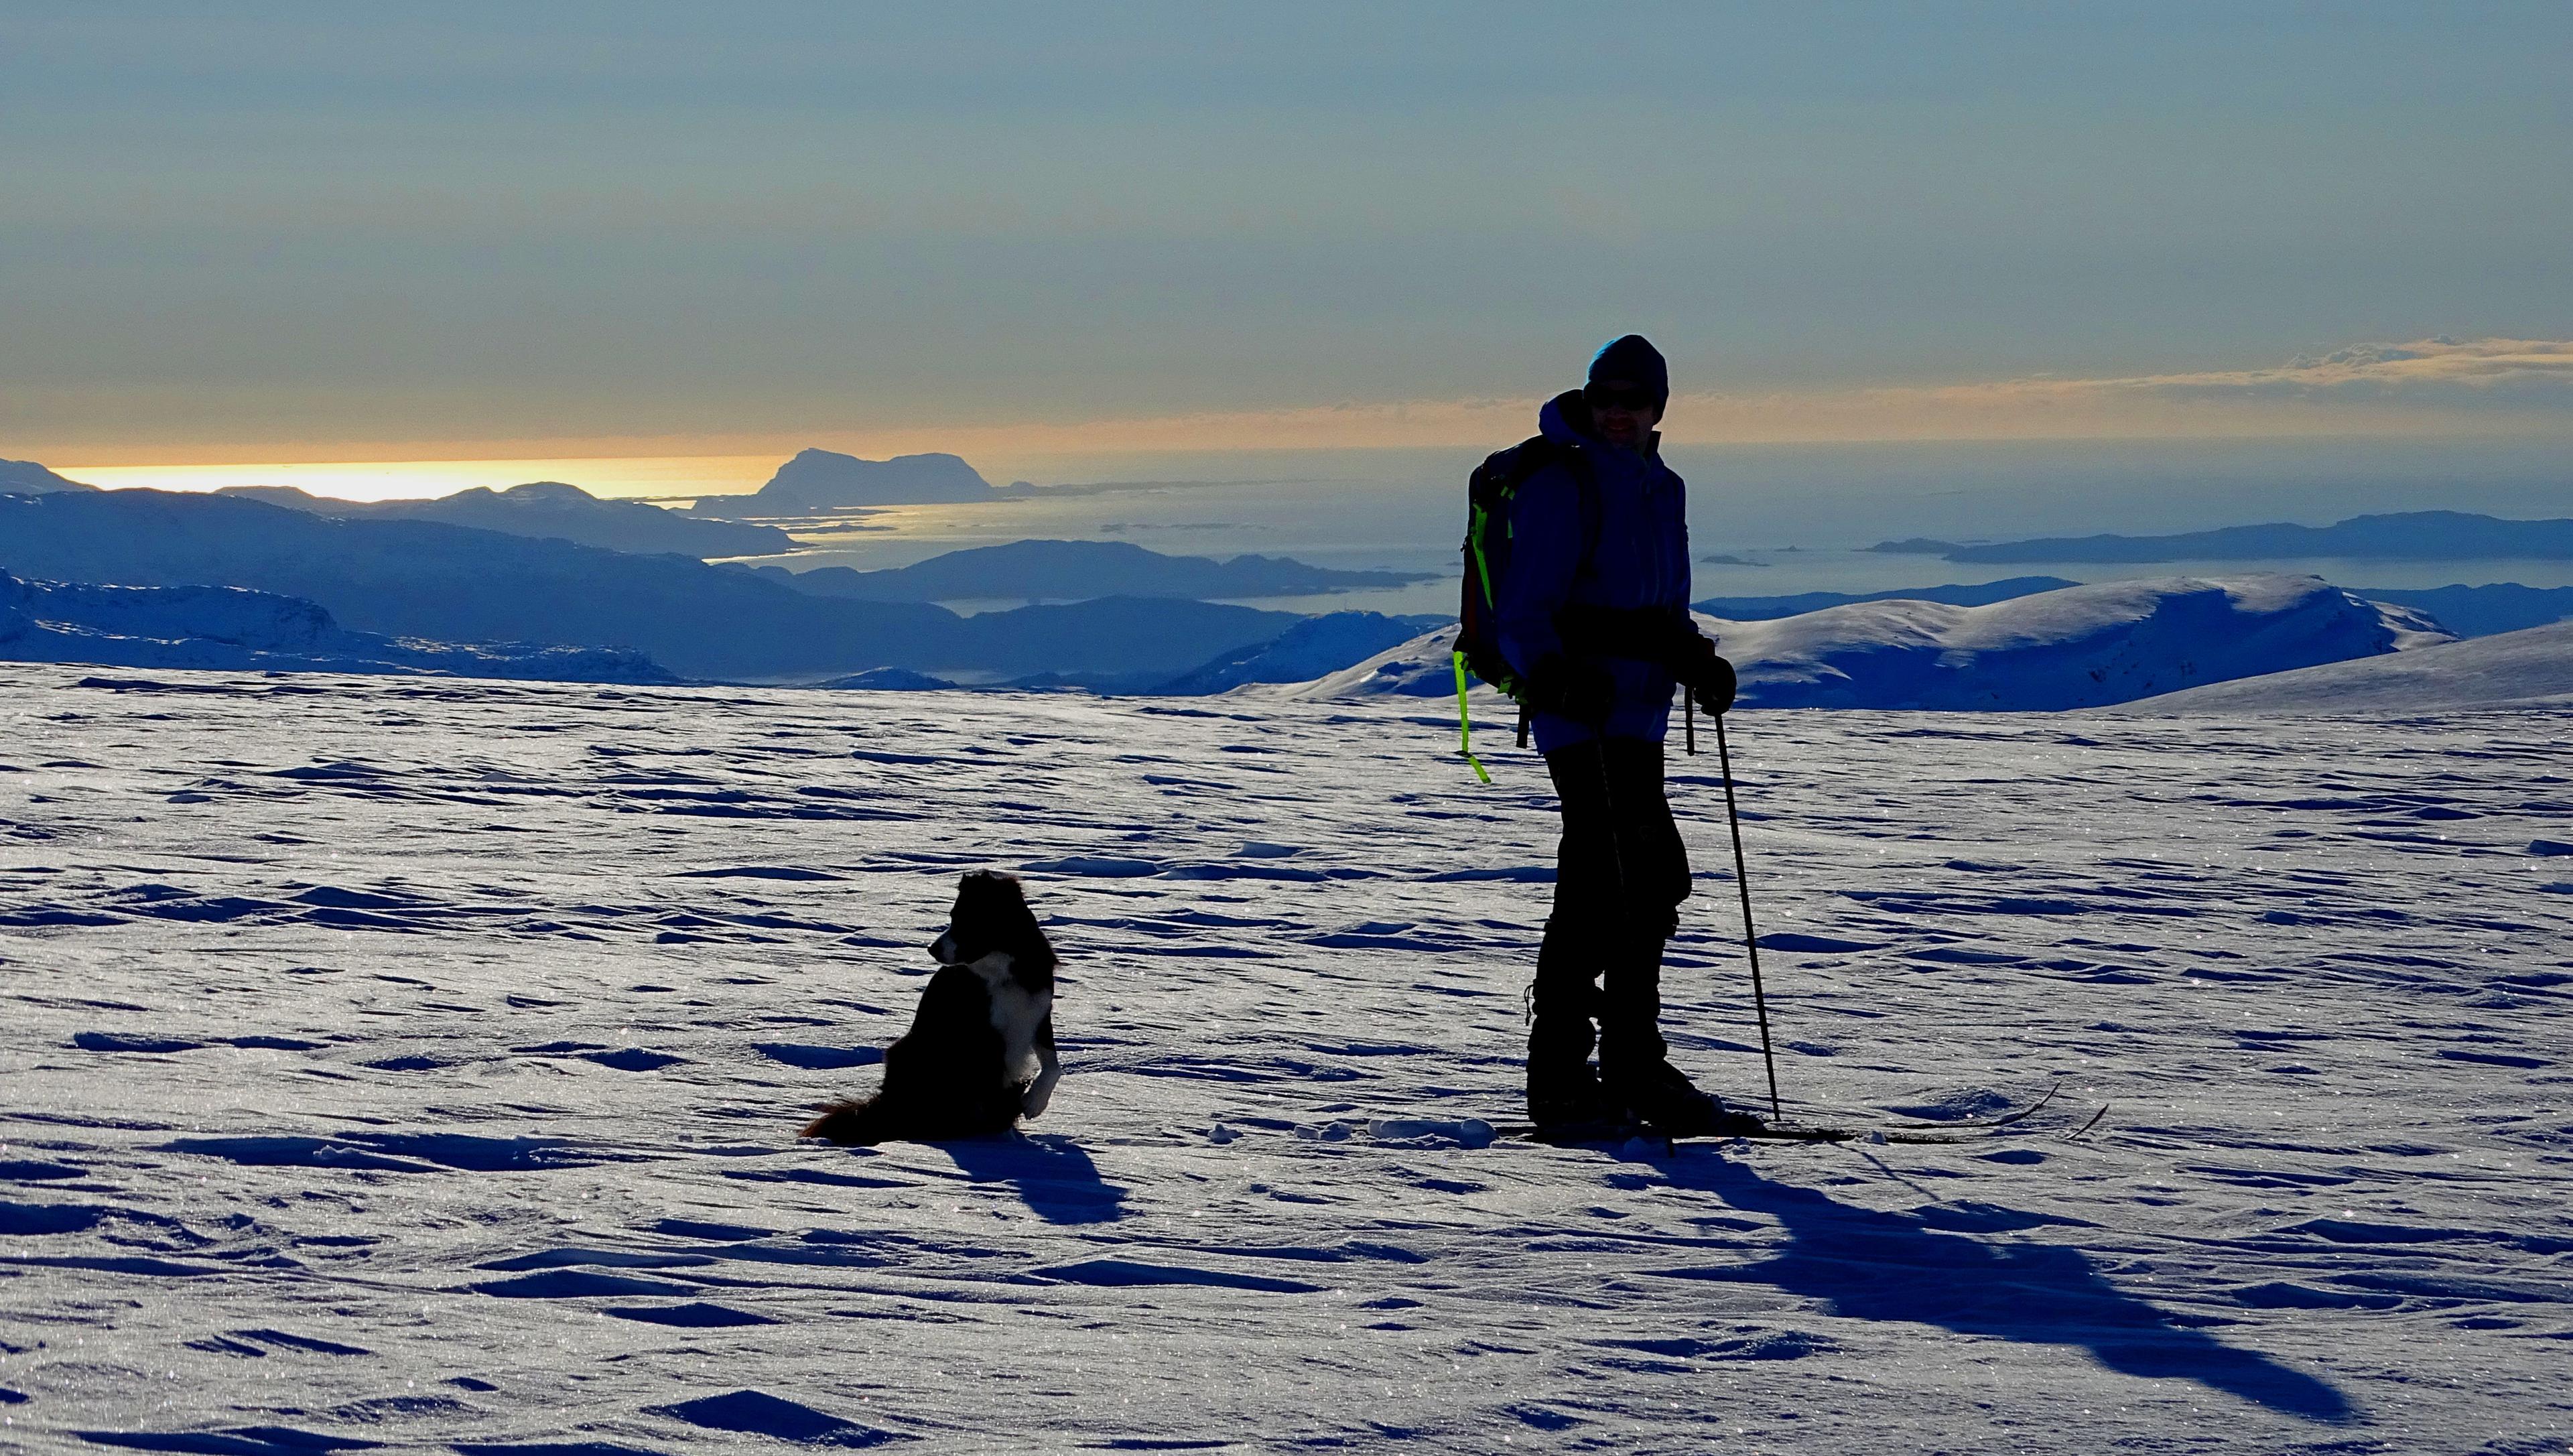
(2416, 535)
(550, 509)
(233, 629)
(1075, 570)
(828, 481)
(452, 583)
(26, 477)
(2481, 611)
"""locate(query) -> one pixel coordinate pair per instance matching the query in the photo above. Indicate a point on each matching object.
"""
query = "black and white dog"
(980, 1052)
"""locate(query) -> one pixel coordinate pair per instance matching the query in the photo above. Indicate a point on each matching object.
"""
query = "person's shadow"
(1051, 1174)
(1869, 1266)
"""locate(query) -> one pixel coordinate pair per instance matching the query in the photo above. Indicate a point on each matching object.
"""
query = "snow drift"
(230, 628)
(2083, 646)
(2515, 668)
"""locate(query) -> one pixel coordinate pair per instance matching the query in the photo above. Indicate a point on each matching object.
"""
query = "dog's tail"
(853, 1124)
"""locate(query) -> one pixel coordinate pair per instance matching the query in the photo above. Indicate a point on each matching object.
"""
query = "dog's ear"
(1030, 953)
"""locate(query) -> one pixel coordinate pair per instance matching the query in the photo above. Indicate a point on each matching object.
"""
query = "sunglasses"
(1619, 397)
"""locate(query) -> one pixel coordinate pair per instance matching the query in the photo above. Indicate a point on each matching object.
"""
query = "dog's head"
(992, 918)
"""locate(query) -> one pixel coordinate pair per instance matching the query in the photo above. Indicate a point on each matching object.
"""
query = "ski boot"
(1662, 1097)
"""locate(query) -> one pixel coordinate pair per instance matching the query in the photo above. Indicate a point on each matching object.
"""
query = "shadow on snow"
(1870, 1265)
(1051, 1174)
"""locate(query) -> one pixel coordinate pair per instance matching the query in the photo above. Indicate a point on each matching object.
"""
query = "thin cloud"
(2430, 386)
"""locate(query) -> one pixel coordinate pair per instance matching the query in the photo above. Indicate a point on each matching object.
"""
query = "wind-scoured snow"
(416, 1063)
(2515, 667)
(2081, 646)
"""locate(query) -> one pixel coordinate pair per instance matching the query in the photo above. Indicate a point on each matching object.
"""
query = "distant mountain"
(2081, 646)
(1075, 570)
(26, 477)
(1314, 647)
(2524, 667)
(460, 584)
(226, 629)
(1916, 546)
(1111, 635)
(828, 481)
(2418, 535)
(889, 681)
(2481, 611)
(1764, 608)
(550, 509)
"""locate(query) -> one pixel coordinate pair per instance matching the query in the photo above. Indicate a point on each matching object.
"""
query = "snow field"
(416, 1063)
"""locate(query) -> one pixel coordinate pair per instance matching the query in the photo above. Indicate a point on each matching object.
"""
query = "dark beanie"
(1634, 360)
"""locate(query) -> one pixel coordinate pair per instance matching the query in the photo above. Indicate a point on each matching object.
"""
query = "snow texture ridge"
(2080, 646)
(412, 1064)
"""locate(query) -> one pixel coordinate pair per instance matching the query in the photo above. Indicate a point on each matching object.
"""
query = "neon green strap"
(1465, 722)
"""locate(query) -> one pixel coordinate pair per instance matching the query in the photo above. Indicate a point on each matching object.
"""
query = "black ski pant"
(1620, 873)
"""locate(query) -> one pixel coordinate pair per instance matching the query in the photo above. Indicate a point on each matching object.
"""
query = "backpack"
(1489, 493)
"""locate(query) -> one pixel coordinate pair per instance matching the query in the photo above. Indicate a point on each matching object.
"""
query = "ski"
(2003, 1120)
(1758, 1132)
(1589, 1134)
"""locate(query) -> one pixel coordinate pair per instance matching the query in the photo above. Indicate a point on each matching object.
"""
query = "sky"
(1053, 236)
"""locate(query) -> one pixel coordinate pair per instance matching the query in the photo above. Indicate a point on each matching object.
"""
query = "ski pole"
(1750, 941)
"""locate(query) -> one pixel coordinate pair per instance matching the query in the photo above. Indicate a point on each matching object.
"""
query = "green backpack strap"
(1465, 722)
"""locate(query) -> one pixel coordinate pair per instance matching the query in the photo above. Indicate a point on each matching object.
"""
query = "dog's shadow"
(1051, 1174)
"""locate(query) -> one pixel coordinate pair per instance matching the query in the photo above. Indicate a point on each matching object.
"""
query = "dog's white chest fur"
(1017, 1013)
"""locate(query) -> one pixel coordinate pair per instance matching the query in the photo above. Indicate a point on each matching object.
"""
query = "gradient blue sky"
(273, 232)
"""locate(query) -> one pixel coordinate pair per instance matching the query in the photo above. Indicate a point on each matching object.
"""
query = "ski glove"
(1707, 676)
(1579, 690)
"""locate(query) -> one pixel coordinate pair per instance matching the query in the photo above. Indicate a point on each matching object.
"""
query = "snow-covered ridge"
(2514, 668)
(2081, 646)
(232, 628)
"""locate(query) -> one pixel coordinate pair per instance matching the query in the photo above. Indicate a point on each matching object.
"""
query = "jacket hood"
(1565, 419)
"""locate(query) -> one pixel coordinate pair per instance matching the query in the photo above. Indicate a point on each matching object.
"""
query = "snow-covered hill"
(417, 1063)
(2512, 668)
(227, 627)
(2081, 646)
(1312, 648)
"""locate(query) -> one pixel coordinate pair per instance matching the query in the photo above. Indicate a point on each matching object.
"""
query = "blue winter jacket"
(1640, 559)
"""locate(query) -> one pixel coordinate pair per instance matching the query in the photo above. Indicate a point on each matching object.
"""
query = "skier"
(1593, 616)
